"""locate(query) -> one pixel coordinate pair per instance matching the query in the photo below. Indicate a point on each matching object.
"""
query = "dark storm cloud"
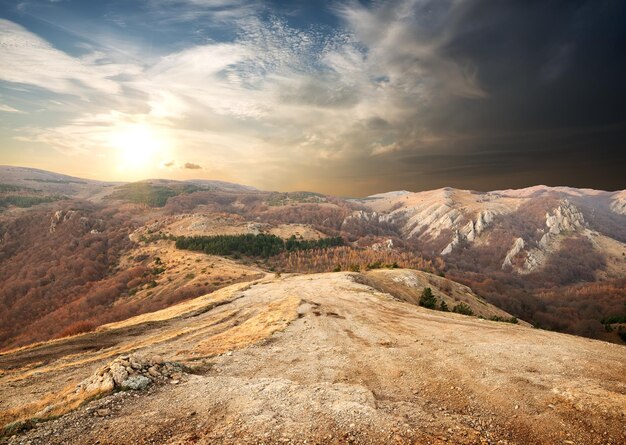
(555, 93)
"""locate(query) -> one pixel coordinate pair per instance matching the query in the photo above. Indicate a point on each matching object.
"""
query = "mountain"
(185, 312)
(541, 254)
(37, 182)
(530, 223)
(77, 254)
(322, 358)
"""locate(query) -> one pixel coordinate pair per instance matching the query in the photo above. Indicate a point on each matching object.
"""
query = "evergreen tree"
(427, 299)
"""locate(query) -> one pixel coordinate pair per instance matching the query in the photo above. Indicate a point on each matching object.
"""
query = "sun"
(139, 147)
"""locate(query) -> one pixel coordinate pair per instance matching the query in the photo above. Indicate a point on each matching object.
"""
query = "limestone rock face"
(361, 215)
(383, 246)
(470, 231)
(86, 225)
(564, 218)
(518, 245)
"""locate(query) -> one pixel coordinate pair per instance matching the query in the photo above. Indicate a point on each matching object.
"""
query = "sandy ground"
(326, 359)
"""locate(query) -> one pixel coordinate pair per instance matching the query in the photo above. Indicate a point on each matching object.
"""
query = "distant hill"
(76, 253)
(522, 228)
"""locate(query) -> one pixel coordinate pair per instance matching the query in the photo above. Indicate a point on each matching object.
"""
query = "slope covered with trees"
(261, 245)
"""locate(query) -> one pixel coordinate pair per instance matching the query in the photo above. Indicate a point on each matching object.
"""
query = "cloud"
(9, 109)
(27, 59)
(211, 11)
(192, 166)
(271, 104)
(278, 95)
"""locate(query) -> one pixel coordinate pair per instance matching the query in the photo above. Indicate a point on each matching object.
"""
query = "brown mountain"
(77, 253)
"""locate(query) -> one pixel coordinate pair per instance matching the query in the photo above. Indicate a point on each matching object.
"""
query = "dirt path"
(348, 364)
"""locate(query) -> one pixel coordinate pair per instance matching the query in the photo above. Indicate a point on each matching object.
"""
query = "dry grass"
(84, 359)
(49, 407)
(299, 230)
(276, 316)
(181, 269)
(206, 301)
(222, 224)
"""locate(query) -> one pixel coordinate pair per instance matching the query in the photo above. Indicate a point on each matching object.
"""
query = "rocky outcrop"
(383, 246)
(456, 239)
(517, 247)
(433, 219)
(618, 204)
(361, 215)
(563, 219)
(470, 231)
(85, 224)
(61, 216)
(132, 372)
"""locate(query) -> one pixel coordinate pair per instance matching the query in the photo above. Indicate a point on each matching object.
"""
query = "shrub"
(463, 308)
(76, 328)
(444, 307)
(354, 268)
(427, 299)
(512, 320)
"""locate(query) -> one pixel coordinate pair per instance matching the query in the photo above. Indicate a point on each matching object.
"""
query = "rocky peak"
(564, 218)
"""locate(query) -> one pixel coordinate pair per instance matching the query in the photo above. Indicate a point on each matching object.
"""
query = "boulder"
(136, 383)
(118, 373)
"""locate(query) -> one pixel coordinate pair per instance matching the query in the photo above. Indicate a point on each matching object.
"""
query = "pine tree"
(427, 299)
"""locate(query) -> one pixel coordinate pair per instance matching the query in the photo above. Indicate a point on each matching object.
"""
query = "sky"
(344, 97)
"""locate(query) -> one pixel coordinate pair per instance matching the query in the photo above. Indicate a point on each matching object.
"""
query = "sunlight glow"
(139, 147)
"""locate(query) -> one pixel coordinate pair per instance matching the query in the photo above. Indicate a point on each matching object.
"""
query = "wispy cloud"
(217, 11)
(272, 97)
(27, 59)
(9, 109)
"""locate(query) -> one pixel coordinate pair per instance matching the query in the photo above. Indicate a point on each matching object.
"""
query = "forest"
(26, 201)
(347, 258)
(260, 245)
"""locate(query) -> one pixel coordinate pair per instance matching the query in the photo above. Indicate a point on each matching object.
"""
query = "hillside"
(76, 254)
(316, 359)
(54, 183)
(542, 253)
(530, 224)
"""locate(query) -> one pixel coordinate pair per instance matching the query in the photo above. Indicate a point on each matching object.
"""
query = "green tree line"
(261, 245)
